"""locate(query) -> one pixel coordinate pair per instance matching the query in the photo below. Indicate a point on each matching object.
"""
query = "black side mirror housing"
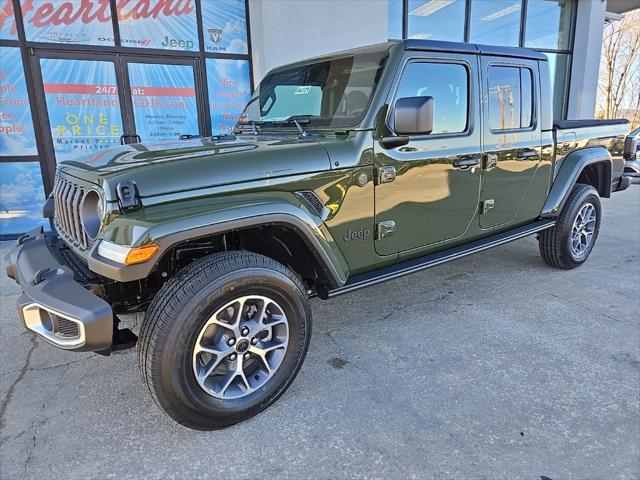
(413, 116)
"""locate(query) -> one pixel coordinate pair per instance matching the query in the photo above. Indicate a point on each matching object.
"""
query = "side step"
(417, 264)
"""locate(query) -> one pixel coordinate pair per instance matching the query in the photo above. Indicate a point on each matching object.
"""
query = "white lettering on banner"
(42, 13)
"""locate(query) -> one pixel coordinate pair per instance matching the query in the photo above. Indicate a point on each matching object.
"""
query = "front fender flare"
(568, 175)
(169, 233)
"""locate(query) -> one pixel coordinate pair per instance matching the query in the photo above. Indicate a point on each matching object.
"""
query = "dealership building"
(79, 76)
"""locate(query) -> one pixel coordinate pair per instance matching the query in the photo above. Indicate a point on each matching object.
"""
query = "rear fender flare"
(568, 175)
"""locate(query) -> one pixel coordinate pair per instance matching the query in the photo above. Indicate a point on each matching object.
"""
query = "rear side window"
(448, 84)
(510, 98)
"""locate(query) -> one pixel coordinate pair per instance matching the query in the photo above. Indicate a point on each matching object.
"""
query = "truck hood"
(169, 167)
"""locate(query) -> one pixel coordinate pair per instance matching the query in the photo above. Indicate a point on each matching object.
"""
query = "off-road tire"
(179, 312)
(555, 243)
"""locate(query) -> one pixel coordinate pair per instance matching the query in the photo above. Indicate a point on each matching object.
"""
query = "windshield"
(333, 93)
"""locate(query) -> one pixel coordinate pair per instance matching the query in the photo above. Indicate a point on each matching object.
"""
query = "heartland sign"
(141, 22)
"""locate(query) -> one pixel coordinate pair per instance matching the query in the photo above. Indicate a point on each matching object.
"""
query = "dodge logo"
(215, 34)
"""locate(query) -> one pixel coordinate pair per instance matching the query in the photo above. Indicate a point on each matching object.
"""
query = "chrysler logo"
(215, 34)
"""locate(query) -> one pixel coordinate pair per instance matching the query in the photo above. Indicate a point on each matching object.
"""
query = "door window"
(448, 84)
(510, 98)
(164, 101)
(83, 105)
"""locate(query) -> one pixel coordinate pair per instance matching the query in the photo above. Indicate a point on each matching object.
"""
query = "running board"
(417, 264)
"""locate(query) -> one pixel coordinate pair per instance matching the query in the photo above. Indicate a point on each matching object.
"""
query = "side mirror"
(413, 116)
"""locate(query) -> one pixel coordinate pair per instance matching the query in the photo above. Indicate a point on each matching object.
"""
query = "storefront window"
(229, 91)
(62, 21)
(437, 19)
(170, 25)
(225, 26)
(17, 137)
(8, 30)
(548, 24)
(495, 22)
(21, 197)
(164, 101)
(394, 19)
(83, 105)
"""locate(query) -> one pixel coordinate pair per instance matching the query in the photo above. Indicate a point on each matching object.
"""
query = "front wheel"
(568, 244)
(224, 339)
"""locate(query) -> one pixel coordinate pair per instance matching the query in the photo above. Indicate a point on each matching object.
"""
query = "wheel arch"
(255, 228)
(591, 166)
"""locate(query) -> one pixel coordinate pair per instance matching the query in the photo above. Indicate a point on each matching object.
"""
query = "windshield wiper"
(296, 119)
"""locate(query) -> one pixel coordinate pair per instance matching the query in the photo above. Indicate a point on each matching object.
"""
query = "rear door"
(427, 191)
(511, 136)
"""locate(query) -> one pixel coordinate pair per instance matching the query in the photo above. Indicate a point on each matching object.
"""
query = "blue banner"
(225, 26)
(83, 105)
(21, 197)
(164, 101)
(16, 126)
(229, 92)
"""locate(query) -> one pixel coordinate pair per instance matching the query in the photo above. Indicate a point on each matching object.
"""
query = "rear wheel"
(224, 339)
(568, 244)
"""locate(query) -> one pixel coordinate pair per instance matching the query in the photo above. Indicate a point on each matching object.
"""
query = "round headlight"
(91, 213)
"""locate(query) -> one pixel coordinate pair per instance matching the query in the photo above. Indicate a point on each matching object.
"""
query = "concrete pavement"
(494, 366)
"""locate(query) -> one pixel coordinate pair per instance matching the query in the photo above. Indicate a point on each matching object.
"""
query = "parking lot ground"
(494, 366)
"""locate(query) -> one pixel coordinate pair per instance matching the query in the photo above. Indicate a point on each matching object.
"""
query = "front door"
(427, 192)
(511, 137)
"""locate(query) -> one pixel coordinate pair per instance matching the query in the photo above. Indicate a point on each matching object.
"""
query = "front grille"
(68, 197)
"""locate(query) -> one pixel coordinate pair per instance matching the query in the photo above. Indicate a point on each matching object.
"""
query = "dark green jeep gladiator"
(344, 171)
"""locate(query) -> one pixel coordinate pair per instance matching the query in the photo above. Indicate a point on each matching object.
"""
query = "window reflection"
(548, 24)
(447, 84)
(495, 22)
(558, 63)
(437, 19)
(510, 98)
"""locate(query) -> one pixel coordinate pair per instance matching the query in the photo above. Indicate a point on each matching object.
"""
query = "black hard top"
(459, 47)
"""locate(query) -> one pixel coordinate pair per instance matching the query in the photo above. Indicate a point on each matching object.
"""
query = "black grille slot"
(311, 200)
(66, 328)
(68, 198)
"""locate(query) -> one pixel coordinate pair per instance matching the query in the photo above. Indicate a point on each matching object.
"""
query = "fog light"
(127, 255)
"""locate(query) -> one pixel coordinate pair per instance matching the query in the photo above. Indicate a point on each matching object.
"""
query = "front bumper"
(54, 304)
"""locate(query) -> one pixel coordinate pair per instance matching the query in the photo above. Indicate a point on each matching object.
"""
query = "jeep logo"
(357, 235)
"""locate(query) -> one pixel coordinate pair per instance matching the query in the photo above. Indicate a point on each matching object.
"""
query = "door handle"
(527, 153)
(464, 163)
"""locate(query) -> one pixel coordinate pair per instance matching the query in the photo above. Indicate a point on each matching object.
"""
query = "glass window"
(83, 105)
(21, 197)
(495, 22)
(448, 84)
(225, 26)
(437, 19)
(346, 85)
(548, 23)
(394, 19)
(17, 137)
(8, 30)
(510, 98)
(62, 21)
(165, 25)
(164, 101)
(558, 64)
(229, 92)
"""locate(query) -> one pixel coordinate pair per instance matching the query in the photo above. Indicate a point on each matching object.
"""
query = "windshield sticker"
(303, 90)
